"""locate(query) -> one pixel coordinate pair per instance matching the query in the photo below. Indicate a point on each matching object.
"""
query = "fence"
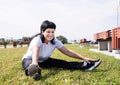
(15, 44)
(4, 44)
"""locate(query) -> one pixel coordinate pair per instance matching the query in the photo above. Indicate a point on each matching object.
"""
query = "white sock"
(84, 63)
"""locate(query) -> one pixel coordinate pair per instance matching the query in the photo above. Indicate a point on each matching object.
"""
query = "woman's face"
(49, 34)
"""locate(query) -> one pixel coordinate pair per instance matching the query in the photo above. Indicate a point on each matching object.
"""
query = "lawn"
(11, 72)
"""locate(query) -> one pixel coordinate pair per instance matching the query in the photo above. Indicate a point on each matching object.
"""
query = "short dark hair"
(45, 25)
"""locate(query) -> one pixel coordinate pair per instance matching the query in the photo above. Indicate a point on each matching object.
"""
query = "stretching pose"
(41, 48)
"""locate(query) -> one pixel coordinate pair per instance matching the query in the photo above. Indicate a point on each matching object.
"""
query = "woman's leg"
(31, 70)
(26, 63)
(50, 62)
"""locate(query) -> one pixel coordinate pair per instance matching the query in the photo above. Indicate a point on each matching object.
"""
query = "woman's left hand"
(88, 60)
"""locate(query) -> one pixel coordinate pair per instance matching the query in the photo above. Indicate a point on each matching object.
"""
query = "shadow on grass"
(51, 72)
(54, 71)
(99, 70)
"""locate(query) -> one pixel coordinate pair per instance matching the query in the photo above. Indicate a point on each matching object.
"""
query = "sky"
(74, 19)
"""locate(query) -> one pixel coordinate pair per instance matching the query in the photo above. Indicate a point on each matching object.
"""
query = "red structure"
(103, 35)
(113, 36)
(116, 38)
(14, 44)
(83, 40)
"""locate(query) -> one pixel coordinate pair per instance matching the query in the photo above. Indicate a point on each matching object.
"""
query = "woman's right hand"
(36, 64)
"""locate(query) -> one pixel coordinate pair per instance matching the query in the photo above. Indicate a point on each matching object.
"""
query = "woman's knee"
(26, 63)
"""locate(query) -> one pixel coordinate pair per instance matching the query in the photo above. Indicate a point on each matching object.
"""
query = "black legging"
(51, 62)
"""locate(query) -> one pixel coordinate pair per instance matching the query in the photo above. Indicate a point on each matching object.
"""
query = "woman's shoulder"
(58, 43)
(36, 39)
(56, 40)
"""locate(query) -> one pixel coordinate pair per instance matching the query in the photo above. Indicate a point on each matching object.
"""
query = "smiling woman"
(41, 48)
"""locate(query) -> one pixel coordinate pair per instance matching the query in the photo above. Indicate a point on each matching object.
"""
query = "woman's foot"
(34, 72)
(92, 65)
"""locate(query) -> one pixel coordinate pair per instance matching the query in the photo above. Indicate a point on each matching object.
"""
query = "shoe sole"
(32, 69)
(95, 66)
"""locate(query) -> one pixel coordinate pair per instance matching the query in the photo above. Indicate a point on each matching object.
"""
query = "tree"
(62, 39)
(26, 38)
(2, 39)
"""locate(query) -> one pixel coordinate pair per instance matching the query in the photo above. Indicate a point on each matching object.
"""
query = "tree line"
(63, 39)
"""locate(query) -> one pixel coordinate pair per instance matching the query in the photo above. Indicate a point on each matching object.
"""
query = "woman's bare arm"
(73, 54)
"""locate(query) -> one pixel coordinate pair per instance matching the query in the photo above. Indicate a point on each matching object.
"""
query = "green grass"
(11, 72)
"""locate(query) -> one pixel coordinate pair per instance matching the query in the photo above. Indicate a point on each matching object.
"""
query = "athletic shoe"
(33, 71)
(96, 64)
(92, 65)
(37, 76)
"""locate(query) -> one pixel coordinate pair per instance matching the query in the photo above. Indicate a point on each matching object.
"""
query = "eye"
(52, 31)
(48, 31)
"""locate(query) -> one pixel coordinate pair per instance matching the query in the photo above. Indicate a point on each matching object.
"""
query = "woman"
(41, 48)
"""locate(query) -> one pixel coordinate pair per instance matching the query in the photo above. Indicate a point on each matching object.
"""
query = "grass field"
(11, 72)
